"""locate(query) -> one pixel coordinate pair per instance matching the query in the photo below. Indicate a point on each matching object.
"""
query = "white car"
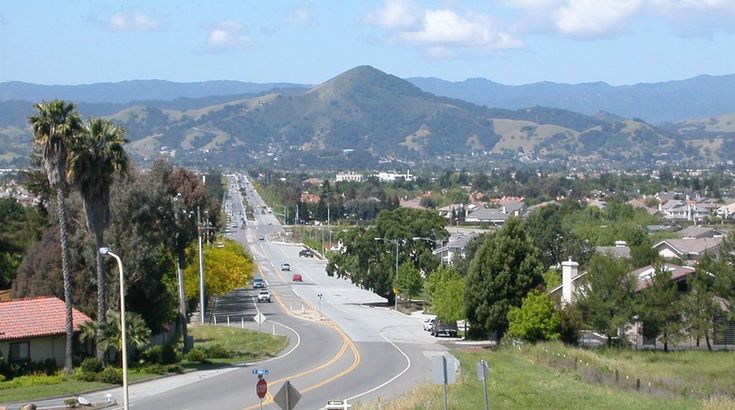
(428, 323)
(264, 296)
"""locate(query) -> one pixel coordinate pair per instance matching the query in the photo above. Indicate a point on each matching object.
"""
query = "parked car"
(444, 328)
(264, 296)
(428, 323)
(258, 283)
(285, 267)
(297, 278)
(307, 253)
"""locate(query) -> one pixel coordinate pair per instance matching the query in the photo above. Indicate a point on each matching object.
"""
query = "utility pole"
(201, 270)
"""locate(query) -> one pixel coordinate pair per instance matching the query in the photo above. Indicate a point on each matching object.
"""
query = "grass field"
(519, 381)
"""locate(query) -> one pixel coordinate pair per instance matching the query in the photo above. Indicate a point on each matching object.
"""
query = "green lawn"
(519, 381)
(246, 345)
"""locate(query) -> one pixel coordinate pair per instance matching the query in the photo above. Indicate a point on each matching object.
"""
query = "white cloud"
(301, 16)
(443, 33)
(594, 18)
(227, 35)
(395, 14)
(590, 19)
(132, 21)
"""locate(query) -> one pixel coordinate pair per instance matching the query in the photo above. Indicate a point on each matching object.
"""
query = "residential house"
(726, 210)
(696, 232)
(454, 247)
(349, 176)
(492, 216)
(308, 198)
(688, 249)
(33, 329)
(619, 251)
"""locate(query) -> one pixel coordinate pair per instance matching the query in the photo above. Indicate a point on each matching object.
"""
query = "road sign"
(261, 388)
(443, 369)
(259, 318)
(287, 396)
(260, 372)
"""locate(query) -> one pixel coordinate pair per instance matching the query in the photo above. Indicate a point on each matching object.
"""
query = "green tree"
(96, 155)
(137, 334)
(503, 271)
(702, 305)
(535, 320)
(371, 263)
(408, 282)
(609, 293)
(446, 292)
(659, 308)
(55, 126)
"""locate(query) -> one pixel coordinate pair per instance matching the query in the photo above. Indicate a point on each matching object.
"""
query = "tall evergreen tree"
(609, 291)
(503, 271)
(96, 155)
(55, 126)
(660, 308)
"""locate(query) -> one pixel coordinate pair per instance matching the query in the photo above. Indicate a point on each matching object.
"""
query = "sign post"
(443, 371)
(261, 388)
(319, 296)
(259, 319)
(482, 376)
(287, 396)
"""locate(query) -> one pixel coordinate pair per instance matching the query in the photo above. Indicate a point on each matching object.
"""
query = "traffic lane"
(235, 389)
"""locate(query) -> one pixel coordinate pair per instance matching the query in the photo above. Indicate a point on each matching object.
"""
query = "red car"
(297, 277)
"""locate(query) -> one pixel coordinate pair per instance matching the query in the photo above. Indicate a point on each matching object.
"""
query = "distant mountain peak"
(366, 79)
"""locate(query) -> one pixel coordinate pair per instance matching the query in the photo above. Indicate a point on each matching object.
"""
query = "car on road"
(307, 253)
(264, 296)
(428, 323)
(297, 277)
(285, 266)
(440, 327)
(258, 283)
(261, 238)
(270, 223)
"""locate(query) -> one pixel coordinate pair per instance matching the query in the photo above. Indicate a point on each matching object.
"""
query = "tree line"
(92, 196)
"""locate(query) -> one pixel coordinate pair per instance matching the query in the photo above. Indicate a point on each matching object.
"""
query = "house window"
(20, 351)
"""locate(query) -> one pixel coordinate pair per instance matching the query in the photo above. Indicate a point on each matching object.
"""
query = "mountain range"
(365, 116)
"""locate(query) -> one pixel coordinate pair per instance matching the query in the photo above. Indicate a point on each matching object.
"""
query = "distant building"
(349, 177)
(392, 176)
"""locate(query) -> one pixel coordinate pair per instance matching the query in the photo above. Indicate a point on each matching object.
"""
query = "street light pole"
(124, 347)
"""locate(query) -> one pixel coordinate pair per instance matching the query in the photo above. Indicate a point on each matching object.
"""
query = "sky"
(508, 41)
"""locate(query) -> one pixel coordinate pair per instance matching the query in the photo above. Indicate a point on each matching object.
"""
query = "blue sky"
(508, 41)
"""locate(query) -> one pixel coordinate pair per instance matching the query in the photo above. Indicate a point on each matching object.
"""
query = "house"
(679, 274)
(727, 210)
(33, 329)
(696, 232)
(688, 249)
(487, 215)
(619, 251)
(454, 247)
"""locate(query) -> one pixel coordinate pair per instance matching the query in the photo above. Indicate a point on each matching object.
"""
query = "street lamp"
(436, 242)
(397, 243)
(124, 347)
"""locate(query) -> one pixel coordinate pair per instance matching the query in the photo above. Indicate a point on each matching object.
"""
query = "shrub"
(217, 351)
(175, 368)
(80, 374)
(111, 375)
(197, 355)
(71, 403)
(36, 379)
(156, 369)
(2, 378)
(92, 365)
(161, 354)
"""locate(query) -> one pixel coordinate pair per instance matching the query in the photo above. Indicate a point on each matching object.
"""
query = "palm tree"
(54, 127)
(109, 333)
(94, 158)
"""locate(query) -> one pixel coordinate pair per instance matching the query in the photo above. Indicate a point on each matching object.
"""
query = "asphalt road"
(341, 346)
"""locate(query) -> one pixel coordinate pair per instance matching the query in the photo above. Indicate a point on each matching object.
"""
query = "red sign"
(261, 388)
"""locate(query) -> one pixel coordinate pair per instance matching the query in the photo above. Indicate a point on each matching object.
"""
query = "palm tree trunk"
(66, 272)
(101, 295)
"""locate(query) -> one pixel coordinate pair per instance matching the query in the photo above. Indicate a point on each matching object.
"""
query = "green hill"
(378, 116)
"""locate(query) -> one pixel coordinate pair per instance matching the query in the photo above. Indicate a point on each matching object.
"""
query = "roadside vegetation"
(214, 346)
(520, 380)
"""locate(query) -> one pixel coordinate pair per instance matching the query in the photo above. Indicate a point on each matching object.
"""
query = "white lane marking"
(298, 342)
(337, 307)
(408, 366)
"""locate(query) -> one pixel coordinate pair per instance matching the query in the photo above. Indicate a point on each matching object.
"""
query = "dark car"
(440, 327)
(307, 253)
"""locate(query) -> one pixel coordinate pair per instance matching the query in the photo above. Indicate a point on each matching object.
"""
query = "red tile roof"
(35, 317)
